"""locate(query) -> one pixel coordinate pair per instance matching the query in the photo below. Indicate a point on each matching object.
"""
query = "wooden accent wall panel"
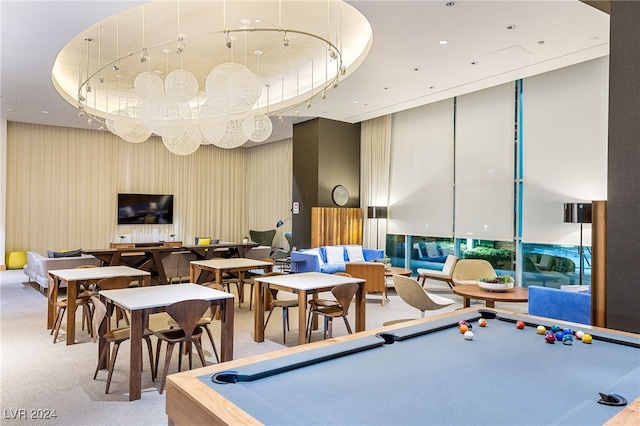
(599, 264)
(335, 225)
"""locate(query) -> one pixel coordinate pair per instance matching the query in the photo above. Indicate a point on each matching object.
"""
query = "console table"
(147, 244)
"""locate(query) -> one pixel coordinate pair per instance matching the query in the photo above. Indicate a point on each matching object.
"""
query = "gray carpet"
(39, 375)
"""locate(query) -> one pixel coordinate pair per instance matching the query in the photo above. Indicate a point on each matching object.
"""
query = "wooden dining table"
(224, 249)
(72, 277)
(142, 301)
(304, 284)
(147, 258)
(200, 269)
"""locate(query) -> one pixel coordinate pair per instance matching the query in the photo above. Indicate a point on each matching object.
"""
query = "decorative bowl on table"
(499, 283)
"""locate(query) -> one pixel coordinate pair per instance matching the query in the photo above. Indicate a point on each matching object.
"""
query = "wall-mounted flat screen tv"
(134, 209)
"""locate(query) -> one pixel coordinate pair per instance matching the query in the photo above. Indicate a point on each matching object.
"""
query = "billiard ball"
(468, 335)
(567, 331)
(559, 336)
(520, 324)
(586, 338)
(567, 339)
(462, 322)
(482, 322)
(555, 328)
(550, 338)
(579, 334)
(463, 328)
(541, 329)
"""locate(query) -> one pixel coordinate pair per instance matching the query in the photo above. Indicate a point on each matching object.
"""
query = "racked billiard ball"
(555, 328)
(559, 336)
(520, 324)
(586, 338)
(550, 338)
(579, 334)
(541, 329)
(567, 331)
(567, 339)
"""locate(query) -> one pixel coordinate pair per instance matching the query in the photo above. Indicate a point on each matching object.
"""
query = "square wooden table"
(143, 300)
(303, 284)
(71, 277)
(234, 264)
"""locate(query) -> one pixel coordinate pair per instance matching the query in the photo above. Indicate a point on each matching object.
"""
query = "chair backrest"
(114, 283)
(258, 253)
(289, 237)
(449, 265)
(187, 314)
(342, 274)
(414, 295)
(264, 238)
(372, 272)
(472, 269)
(344, 295)
(99, 314)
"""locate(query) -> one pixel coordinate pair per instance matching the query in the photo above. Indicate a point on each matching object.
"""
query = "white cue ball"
(468, 335)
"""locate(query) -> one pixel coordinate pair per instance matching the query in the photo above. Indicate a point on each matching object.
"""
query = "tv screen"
(136, 209)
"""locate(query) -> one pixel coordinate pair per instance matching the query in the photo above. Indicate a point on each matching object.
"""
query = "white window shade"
(484, 156)
(421, 184)
(565, 148)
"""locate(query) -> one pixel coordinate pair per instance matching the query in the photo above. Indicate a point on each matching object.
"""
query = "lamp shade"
(377, 212)
(577, 213)
(281, 222)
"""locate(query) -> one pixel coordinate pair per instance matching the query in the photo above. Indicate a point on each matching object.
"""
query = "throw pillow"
(204, 241)
(447, 250)
(355, 254)
(317, 253)
(432, 249)
(64, 253)
(335, 255)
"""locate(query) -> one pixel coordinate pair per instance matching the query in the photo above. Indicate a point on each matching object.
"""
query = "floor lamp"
(377, 212)
(578, 213)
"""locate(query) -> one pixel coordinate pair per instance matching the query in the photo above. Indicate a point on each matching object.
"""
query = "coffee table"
(473, 291)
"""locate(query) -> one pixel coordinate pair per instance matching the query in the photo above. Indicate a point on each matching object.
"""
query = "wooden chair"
(445, 275)
(284, 304)
(206, 320)
(116, 336)
(250, 280)
(83, 299)
(467, 271)
(332, 309)
(187, 314)
(116, 283)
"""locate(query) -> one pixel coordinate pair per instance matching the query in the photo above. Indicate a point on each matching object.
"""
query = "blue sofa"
(302, 261)
(558, 304)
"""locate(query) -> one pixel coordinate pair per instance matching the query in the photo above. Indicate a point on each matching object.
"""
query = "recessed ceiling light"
(45, 112)
(432, 87)
(451, 3)
(10, 110)
(355, 102)
(443, 42)
(474, 63)
(416, 69)
(386, 88)
(512, 27)
(541, 42)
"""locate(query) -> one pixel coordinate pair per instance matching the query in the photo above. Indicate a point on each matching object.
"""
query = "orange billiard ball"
(482, 322)
(463, 328)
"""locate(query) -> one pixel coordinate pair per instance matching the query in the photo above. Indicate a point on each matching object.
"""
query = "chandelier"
(209, 72)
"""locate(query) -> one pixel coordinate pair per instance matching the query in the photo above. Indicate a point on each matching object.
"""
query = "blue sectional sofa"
(573, 306)
(317, 260)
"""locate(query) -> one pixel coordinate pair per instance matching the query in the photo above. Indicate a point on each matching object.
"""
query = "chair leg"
(213, 343)
(346, 322)
(328, 327)
(58, 323)
(103, 356)
(285, 325)
(198, 344)
(112, 364)
(180, 352)
(250, 295)
(309, 326)
(151, 366)
(167, 360)
(158, 347)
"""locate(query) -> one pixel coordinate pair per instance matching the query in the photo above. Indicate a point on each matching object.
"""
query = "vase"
(495, 286)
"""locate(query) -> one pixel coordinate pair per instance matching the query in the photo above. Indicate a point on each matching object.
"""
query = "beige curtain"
(375, 146)
(62, 187)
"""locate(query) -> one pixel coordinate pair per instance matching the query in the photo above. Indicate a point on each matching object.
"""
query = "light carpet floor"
(36, 374)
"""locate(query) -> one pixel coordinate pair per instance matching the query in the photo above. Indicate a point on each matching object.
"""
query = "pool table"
(423, 372)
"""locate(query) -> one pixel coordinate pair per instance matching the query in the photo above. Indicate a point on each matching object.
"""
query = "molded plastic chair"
(414, 295)
(264, 238)
(281, 253)
(250, 280)
(467, 271)
(445, 275)
(284, 304)
(332, 309)
(187, 314)
(116, 336)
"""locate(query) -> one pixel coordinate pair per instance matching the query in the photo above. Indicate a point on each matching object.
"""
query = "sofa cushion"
(64, 253)
(432, 249)
(204, 241)
(335, 255)
(355, 254)
(332, 269)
